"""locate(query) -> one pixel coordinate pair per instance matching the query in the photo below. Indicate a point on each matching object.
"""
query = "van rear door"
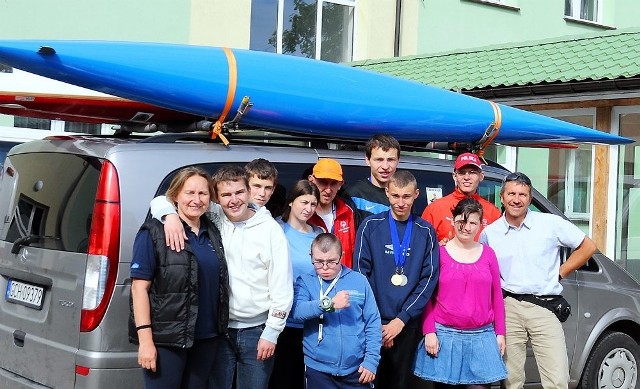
(46, 217)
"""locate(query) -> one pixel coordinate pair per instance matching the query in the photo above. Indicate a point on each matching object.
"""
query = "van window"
(288, 174)
(54, 208)
(4, 149)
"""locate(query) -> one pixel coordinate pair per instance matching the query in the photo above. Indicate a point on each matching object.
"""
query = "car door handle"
(26, 276)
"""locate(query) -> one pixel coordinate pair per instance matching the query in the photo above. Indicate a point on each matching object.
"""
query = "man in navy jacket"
(399, 254)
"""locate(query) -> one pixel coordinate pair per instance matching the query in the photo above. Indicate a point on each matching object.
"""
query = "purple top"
(468, 295)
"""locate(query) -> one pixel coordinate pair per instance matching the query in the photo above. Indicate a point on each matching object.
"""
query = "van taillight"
(104, 243)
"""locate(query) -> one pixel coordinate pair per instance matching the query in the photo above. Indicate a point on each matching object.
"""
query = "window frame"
(318, 28)
(319, 10)
(576, 10)
(614, 161)
(570, 168)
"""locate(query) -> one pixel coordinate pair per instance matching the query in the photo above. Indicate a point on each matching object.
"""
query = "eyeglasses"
(330, 263)
(517, 177)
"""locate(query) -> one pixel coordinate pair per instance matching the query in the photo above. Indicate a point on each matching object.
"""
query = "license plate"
(26, 294)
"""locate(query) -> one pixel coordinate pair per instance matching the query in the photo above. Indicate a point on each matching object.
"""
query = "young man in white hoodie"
(260, 279)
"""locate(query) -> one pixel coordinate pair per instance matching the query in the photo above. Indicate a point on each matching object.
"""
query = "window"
(583, 9)
(563, 175)
(264, 25)
(320, 29)
(84, 128)
(337, 32)
(25, 122)
(627, 222)
(56, 208)
(4, 149)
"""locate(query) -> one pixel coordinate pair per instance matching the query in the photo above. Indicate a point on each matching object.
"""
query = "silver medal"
(396, 279)
(404, 280)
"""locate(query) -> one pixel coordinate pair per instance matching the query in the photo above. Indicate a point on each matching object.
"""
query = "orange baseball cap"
(328, 168)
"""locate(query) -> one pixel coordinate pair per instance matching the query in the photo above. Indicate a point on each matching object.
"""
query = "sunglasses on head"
(517, 177)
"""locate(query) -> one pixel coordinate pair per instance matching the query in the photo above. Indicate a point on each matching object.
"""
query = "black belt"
(532, 298)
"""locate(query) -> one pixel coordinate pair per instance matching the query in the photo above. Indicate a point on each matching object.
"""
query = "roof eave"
(572, 87)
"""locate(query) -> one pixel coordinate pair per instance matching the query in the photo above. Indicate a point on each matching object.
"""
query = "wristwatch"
(327, 304)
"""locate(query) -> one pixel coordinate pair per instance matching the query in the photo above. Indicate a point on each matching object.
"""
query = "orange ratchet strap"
(231, 92)
(493, 130)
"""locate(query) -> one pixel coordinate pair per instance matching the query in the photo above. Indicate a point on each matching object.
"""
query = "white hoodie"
(260, 277)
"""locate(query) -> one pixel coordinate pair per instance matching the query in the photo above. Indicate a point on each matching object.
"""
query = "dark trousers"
(288, 367)
(183, 367)
(319, 380)
(396, 363)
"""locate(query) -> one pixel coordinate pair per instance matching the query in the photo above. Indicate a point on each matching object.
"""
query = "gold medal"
(396, 279)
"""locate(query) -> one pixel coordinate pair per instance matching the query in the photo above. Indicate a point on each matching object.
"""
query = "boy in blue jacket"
(399, 254)
(342, 330)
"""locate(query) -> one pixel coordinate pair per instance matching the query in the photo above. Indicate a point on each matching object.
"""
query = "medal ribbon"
(400, 250)
(323, 295)
(331, 285)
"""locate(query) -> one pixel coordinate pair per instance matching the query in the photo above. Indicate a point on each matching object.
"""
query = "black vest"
(173, 295)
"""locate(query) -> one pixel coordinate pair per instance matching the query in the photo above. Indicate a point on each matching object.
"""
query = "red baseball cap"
(467, 159)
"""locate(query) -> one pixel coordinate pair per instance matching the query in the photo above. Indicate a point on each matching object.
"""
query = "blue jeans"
(240, 355)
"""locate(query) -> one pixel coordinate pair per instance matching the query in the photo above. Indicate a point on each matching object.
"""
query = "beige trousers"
(527, 321)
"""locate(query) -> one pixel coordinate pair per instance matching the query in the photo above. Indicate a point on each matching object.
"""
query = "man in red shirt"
(467, 175)
(333, 213)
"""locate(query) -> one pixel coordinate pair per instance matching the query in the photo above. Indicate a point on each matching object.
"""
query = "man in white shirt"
(528, 245)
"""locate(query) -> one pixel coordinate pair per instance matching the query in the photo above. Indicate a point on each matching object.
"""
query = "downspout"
(396, 40)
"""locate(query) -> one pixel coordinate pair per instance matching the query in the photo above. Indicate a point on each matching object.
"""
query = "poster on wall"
(432, 194)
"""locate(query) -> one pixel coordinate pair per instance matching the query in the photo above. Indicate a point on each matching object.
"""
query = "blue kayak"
(290, 94)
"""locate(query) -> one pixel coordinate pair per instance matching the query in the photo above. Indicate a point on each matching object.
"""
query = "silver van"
(71, 206)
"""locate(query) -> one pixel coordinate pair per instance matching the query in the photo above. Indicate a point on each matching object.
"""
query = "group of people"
(348, 287)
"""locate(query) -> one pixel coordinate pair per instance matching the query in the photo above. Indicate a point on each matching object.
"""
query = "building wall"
(220, 23)
(375, 29)
(140, 20)
(428, 26)
(448, 25)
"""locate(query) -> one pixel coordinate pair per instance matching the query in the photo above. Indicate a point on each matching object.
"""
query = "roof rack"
(174, 137)
(317, 142)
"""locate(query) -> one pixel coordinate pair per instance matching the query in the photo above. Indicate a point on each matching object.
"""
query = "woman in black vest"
(180, 300)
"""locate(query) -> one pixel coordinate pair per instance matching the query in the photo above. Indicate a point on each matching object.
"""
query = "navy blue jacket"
(368, 198)
(373, 257)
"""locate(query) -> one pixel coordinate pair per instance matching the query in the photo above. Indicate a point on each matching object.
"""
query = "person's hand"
(502, 344)
(341, 299)
(387, 344)
(174, 233)
(392, 329)
(265, 349)
(446, 239)
(365, 375)
(147, 355)
(431, 344)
